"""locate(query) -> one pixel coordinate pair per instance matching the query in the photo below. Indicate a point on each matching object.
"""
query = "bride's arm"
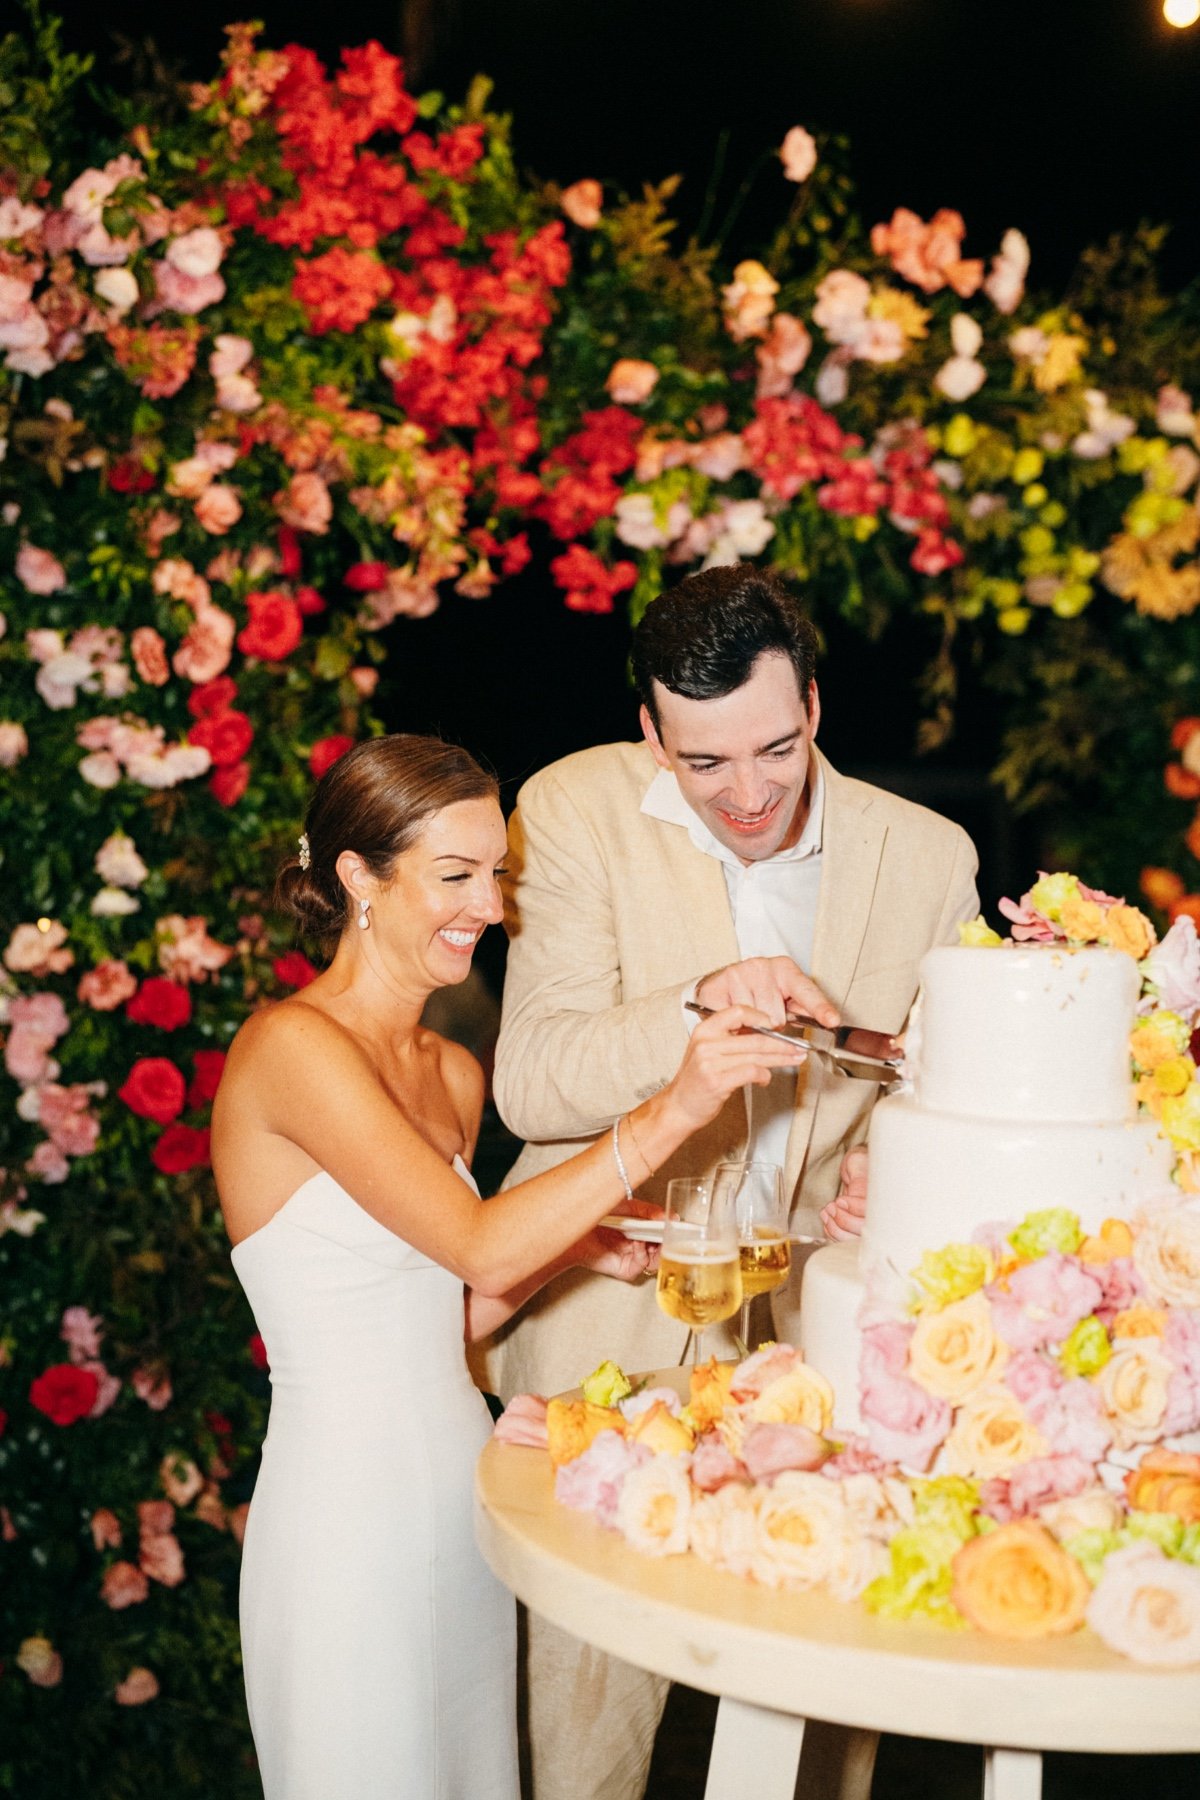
(604, 1252)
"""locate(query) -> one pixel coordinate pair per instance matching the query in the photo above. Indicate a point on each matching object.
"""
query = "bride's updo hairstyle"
(374, 800)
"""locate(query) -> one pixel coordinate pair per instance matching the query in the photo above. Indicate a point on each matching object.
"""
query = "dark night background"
(1070, 119)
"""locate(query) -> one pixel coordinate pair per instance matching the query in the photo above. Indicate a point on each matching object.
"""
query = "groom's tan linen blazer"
(612, 915)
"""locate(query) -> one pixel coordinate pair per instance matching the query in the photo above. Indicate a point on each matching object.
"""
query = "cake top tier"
(1025, 1032)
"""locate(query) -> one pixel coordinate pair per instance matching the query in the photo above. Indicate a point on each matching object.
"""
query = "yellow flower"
(1173, 1076)
(1180, 1117)
(1127, 929)
(1017, 1582)
(901, 309)
(960, 435)
(1052, 1228)
(1085, 1349)
(1112, 1240)
(1082, 920)
(1027, 465)
(659, 1430)
(978, 935)
(1140, 1321)
(571, 1425)
(951, 1274)
(1060, 361)
(991, 1434)
(801, 1397)
(606, 1385)
(954, 1351)
(1050, 894)
(1160, 1036)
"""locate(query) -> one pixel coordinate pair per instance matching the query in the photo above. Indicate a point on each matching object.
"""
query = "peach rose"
(40, 1661)
(1166, 1481)
(218, 508)
(582, 202)
(802, 1527)
(138, 1686)
(39, 571)
(800, 1397)
(1082, 919)
(798, 154)
(150, 656)
(1133, 1391)
(161, 1558)
(1017, 1582)
(1147, 1606)
(954, 1351)
(659, 1430)
(124, 1585)
(654, 1506)
(709, 1395)
(723, 1528)
(631, 381)
(107, 986)
(571, 1426)
(14, 743)
(306, 503)
(1139, 1321)
(181, 1479)
(1114, 1239)
(991, 1434)
(205, 651)
(1130, 930)
(105, 1528)
(749, 301)
(1167, 1255)
(1093, 1510)
(39, 949)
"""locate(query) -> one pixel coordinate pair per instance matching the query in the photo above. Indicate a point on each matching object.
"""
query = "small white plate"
(644, 1231)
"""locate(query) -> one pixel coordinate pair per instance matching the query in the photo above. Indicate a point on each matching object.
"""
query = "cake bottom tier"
(830, 1297)
(935, 1177)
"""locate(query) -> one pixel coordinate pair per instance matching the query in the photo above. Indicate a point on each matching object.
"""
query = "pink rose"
(229, 355)
(107, 1388)
(155, 1517)
(124, 1585)
(1030, 1376)
(161, 1559)
(523, 1421)
(64, 1117)
(592, 1483)
(186, 293)
(186, 952)
(39, 571)
(1173, 967)
(238, 394)
(582, 203)
(1072, 1419)
(1035, 1484)
(1120, 1284)
(14, 743)
(138, 1686)
(107, 986)
(106, 1529)
(206, 650)
(197, 253)
(1045, 1300)
(1006, 280)
(760, 1370)
(630, 381)
(82, 1333)
(39, 949)
(305, 504)
(798, 154)
(152, 1387)
(150, 656)
(903, 1422)
(48, 1164)
(769, 1449)
(713, 1465)
(218, 508)
(781, 355)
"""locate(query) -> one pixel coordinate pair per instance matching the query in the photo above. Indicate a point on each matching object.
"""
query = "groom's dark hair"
(703, 637)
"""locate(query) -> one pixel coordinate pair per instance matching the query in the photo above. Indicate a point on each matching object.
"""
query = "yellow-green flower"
(607, 1385)
(1163, 1528)
(958, 439)
(949, 1502)
(1027, 465)
(917, 1585)
(1086, 1349)
(1180, 1118)
(1090, 1548)
(1047, 895)
(951, 1274)
(1054, 1228)
(978, 935)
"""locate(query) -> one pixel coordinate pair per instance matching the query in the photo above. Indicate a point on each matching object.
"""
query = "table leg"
(755, 1753)
(1012, 1775)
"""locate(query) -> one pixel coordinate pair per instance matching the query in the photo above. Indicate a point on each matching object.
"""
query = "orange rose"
(709, 1392)
(1139, 1321)
(1082, 920)
(1113, 1239)
(1130, 930)
(571, 1426)
(1166, 1481)
(1161, 887)
(659, 1430)
(1016, 1582)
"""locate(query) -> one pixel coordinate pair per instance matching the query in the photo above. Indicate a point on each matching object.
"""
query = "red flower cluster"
(166, 1004)
(590, 584)
(791, 441)
(340, 289)
(180, 1147)
(585, 465)
(325, 753)
(209, 1066)
(275, 628)
(223, 731)
(154, 1089)
(64, 1392)
(293, 969)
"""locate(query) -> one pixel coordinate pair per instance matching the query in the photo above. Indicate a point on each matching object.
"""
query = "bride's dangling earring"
(364, 907)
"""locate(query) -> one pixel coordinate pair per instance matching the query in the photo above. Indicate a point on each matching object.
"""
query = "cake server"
(853, 1049)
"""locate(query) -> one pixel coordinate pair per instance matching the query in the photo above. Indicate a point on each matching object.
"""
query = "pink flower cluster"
(130, 747)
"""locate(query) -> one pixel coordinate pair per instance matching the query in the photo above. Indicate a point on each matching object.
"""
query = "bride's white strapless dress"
(380, 1653)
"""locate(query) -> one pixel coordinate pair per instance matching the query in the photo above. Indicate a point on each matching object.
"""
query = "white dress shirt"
(774, 908)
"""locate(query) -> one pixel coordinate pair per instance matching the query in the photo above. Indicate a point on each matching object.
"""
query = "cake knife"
(855, 1050)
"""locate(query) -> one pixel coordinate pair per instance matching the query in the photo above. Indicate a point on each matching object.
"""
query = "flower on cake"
(1147, 1606)
(1018, 1582)
(654, 1507)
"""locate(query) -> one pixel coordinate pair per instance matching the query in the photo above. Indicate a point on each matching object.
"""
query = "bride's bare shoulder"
(289, 1028)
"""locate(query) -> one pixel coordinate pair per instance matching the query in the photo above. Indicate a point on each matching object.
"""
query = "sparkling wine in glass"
(699, 1271)
(755, 1192)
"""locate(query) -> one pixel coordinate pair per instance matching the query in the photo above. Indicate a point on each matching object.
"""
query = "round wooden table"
(775, 1658)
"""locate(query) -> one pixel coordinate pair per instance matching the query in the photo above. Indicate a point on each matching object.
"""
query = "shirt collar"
(664, 800)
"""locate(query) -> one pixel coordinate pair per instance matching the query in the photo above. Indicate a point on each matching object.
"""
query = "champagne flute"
(755, 1191)
(699, 1275)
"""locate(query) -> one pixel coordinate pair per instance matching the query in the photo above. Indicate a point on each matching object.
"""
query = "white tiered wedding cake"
(1020, 1097)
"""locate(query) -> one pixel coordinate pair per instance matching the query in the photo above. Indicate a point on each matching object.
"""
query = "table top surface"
(807, 1654)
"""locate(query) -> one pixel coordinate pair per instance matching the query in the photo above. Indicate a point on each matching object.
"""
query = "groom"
(724, 860)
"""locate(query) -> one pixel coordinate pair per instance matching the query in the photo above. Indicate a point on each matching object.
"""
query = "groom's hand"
(775, 985)
(844, 1216)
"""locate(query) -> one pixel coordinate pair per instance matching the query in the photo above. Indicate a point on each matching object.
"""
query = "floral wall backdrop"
(277, 365)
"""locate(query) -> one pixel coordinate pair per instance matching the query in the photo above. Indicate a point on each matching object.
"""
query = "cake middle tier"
(935, 1177)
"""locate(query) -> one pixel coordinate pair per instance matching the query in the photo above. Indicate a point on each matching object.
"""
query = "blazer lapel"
(851, 849)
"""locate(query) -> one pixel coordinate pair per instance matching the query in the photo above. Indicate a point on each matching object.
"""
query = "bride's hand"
(723, 1056)
(608, 1252)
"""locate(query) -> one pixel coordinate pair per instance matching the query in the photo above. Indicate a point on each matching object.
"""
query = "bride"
(379, 1651)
